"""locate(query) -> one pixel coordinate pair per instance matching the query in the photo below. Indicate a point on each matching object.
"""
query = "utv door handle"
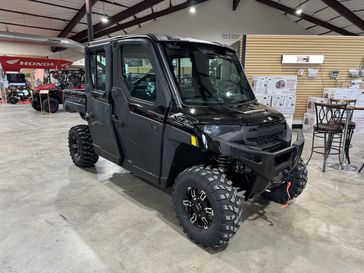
(117, 121)
(98, 95)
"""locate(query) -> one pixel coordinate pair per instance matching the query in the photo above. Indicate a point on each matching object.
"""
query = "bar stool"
(351, 127)
(328, 127)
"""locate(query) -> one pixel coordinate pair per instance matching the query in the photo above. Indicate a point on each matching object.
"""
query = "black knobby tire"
(13, 100)
(53, 105)
(35, 105)
(220, 195)
(81, 147)
(298, 184)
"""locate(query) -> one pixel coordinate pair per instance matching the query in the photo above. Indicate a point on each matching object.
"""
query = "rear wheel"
(50, 105)
(297, 184)
(13, 100)
(207, 206)
(81, 147)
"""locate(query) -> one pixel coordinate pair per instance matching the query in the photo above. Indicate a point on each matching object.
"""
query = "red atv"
(49, 96)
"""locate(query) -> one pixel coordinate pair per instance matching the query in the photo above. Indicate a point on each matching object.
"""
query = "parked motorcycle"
(16, 95)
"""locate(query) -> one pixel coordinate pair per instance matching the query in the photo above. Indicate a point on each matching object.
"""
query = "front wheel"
(207, 206)
(297, 184)
(51, 105)
(81, 147)
(35, 104)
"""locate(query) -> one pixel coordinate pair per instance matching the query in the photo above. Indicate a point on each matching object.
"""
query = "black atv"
(190, 124)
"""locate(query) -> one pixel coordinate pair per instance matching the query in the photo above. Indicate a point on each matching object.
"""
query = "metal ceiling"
(67, 18)
(346, 16)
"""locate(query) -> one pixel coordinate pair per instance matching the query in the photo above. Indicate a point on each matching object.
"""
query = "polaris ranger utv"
(191, 124)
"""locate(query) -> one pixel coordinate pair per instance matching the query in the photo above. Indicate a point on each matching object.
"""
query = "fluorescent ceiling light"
(104, 19)
(299, 11)
(192, 9)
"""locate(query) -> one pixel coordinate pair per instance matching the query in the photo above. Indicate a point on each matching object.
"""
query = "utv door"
(99, 103)
(141, 98)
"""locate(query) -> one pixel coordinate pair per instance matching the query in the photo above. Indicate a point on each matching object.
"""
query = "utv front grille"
(265, 134)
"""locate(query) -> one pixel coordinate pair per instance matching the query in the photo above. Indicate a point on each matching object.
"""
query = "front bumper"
(266, 165)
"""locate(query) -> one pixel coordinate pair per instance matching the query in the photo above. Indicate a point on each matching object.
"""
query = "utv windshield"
(207, 74)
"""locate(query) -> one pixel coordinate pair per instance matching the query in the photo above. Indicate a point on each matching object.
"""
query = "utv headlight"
(217, 130)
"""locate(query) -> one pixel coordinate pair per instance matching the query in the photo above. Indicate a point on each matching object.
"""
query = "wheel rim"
(198, 208)
(75, 147)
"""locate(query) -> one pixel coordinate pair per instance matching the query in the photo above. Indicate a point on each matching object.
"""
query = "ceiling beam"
(345, 12)
(306, 17)
(29, 26)
(113, 3)
(129, 12)
(75, 20)
(146, 18)
(235, 4)
(37, 15)
(62, 6)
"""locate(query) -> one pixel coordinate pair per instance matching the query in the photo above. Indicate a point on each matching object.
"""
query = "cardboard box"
(338, 93)
(309, 119)
(264, 99)
(289, 104)
(311, 103)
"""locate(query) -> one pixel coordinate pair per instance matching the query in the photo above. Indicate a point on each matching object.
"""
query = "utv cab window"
(206, 74)
(138, 73)
(98, 69)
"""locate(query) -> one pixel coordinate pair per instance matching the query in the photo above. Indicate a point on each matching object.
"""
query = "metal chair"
(351, 127)
(328, 127)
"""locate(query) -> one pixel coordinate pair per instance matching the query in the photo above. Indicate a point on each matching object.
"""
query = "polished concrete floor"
(55, 217)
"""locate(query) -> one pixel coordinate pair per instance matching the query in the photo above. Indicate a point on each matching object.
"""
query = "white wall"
(22, 49)
(215, 18)
(37, 50)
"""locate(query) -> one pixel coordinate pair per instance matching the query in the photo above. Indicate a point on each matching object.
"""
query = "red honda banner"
(16, 63)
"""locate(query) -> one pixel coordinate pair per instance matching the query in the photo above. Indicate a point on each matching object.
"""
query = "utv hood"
(245, 114)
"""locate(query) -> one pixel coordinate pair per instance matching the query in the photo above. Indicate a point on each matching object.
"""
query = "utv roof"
(159, 38)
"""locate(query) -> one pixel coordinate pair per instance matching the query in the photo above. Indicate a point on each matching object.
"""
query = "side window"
(98, 69)
(138, 73)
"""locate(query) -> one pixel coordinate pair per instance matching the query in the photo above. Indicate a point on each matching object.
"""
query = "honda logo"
(30, 63)
(36, 63)
(12, 61)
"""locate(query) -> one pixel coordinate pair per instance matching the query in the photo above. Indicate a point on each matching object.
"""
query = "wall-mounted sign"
(302, 59)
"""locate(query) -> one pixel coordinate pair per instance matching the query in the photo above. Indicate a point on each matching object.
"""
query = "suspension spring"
(222, 162)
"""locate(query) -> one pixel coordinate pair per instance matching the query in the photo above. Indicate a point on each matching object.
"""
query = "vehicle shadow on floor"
(146, 195)
(151, 197)
(255, 209)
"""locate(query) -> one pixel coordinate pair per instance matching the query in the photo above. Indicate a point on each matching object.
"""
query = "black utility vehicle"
(190, 123)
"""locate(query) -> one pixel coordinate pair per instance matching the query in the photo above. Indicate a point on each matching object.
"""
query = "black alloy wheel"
(198, 208)
(74, 147)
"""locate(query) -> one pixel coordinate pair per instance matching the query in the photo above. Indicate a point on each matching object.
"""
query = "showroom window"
(138, 73)
(98, 69)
